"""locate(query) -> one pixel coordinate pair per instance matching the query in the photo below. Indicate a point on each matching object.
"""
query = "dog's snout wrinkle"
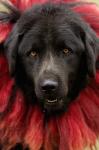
(48, 64)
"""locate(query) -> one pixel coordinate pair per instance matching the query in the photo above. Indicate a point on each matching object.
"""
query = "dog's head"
(51, 51)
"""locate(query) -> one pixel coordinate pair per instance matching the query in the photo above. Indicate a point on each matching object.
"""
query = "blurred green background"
(96, 1)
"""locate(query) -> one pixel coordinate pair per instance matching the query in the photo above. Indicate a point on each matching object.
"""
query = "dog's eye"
(66, 51)
(33, 54)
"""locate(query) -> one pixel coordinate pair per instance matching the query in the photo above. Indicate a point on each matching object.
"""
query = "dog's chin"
(54, 106)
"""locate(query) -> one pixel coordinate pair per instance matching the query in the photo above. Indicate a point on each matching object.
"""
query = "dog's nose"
(49, 85)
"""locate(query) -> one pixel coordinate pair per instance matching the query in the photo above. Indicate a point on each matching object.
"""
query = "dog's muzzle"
(50, 95)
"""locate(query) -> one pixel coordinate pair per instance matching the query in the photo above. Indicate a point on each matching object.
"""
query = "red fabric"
(4, 31)
(74, 130)
(90, 14)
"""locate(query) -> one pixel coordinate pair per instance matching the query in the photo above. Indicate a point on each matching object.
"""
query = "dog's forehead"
(48, 24)
(58, 13)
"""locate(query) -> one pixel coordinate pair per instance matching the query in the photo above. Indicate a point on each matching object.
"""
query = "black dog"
(51, 52)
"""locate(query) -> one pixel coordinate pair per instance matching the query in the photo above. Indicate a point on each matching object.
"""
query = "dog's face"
(51, 51)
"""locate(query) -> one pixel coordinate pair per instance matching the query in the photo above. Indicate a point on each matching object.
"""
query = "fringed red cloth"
(76, 129)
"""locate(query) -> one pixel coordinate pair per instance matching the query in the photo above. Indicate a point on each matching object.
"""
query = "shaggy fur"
(51, 73)
(23, 120)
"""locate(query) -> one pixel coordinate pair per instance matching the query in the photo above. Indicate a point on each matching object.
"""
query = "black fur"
(45, 31)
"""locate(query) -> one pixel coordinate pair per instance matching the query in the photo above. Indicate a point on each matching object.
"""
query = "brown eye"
(66, 51)
(33, 54)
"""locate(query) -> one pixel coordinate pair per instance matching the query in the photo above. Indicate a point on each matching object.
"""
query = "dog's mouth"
(51, 105)
(53, 102)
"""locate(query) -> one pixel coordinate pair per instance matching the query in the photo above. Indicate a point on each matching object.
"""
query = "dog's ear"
(11, 46)
(91, 42)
